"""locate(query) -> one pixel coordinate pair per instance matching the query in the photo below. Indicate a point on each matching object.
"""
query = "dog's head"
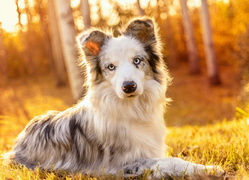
(127, 62)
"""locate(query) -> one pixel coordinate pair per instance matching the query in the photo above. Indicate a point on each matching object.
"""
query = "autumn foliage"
(27, 50)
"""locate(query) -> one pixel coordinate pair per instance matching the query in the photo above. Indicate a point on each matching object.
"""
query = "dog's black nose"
(129, 86)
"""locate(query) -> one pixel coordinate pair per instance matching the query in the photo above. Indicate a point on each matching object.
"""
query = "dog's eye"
(111, 67)
(136, 61)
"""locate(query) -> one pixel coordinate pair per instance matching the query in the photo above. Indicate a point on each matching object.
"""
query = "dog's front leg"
(169, 168)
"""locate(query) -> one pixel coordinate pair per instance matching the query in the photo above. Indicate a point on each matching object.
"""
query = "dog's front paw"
(181, 168)
(213, 170)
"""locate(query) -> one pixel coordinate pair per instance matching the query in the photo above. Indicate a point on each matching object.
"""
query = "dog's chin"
(131, 96)
(128, 96)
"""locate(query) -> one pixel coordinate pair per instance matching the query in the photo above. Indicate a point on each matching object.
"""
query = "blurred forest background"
(206, 47)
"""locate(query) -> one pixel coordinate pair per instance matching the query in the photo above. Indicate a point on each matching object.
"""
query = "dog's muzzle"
(129, 86)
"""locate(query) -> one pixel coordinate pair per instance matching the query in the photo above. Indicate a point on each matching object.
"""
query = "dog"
(119, 125)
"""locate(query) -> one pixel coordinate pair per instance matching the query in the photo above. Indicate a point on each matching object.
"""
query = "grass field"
(224, 143)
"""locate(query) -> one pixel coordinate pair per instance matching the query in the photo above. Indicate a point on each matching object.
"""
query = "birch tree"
(58, 59)
(194, 67)
(212, 68)
(3, 59)
(25, 37)
(170, 39)
(67, 35)
(141, 11)
(86, 13)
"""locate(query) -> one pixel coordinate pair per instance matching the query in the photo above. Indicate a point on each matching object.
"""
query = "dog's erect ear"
(91, 42)
(141, 29)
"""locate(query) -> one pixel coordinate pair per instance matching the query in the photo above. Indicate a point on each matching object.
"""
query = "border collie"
(119, 125)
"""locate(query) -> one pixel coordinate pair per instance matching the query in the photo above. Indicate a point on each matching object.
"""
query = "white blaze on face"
(123, 61)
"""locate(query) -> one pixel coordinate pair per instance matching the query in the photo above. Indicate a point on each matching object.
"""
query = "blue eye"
(111, 67)
(136, 61)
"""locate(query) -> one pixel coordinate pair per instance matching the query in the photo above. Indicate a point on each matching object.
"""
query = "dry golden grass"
(225, 143)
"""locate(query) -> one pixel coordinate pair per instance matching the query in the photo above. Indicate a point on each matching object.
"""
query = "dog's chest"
(127, 136)
(129, 142)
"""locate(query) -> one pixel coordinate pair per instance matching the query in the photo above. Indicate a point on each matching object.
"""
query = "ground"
(215, 136)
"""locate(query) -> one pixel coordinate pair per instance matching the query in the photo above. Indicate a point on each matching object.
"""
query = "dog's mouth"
(129, 96)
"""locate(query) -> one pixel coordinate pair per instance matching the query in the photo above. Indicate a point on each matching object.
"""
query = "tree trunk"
(212, 68)
(86, 14)
(194, 66)
(172, 60)
(67, 35)
(3, 59)
(28, 39)
(58, 60)
(25, 38)
(141, 11)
